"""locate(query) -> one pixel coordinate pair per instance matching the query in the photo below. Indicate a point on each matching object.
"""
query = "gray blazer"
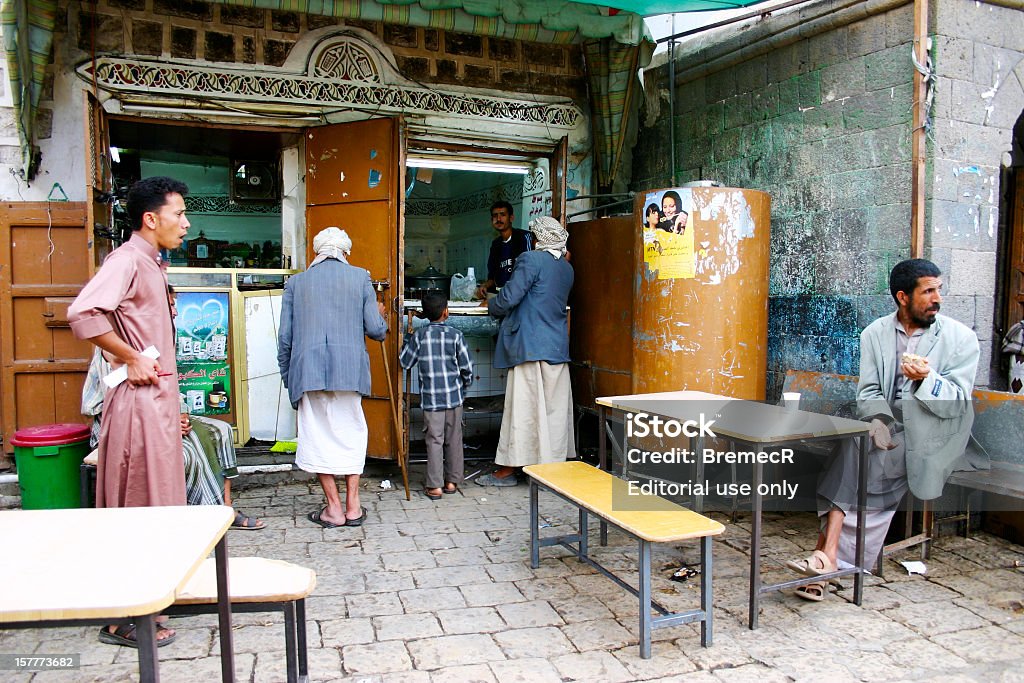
(532, 303)
(324, 315)
(937, 413)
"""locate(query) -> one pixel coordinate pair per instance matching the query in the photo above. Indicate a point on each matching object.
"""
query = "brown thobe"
(140, 449)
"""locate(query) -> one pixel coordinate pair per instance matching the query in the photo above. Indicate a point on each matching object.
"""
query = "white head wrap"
(331, 243)
(550, 235)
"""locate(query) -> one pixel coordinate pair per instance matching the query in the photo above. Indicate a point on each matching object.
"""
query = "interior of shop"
(448, 232)
(235, 187)
(236, 184)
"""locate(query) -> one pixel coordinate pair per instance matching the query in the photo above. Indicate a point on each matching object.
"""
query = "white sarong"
(537, 425)
(332, 433)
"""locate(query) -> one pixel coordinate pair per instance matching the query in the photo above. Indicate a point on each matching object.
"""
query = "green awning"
(650, 8)
(615, 39)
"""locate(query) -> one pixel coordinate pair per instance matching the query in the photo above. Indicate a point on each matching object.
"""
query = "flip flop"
(124, 634)
(818, 563)
(358, 521)
(815, 592)
(246, 523)
(450, 491)
(316, 518)
(431, 496)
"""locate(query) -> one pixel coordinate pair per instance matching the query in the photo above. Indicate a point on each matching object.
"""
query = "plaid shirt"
(445, 368)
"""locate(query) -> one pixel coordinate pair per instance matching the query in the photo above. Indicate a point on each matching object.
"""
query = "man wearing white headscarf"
(325, 313)
(533, 344)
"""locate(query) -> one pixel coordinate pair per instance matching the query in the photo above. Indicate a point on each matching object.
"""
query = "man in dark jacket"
(505, 249)
(533, 344)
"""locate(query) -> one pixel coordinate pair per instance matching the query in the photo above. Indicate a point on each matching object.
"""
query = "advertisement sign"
(202, 333)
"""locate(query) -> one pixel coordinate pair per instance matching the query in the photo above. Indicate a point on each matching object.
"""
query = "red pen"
(164, 374)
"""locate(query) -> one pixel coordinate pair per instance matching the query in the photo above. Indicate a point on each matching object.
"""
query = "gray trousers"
(886, 483)
(443, 429)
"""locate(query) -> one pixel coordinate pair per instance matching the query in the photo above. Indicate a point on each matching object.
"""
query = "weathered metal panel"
(601, 318)
(706, 326)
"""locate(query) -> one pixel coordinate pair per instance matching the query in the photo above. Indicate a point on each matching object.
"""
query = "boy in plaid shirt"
(445, 372)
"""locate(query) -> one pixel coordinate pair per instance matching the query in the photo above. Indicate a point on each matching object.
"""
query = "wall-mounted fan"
(254, 181)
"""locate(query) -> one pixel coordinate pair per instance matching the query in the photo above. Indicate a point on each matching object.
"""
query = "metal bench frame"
(577, 543)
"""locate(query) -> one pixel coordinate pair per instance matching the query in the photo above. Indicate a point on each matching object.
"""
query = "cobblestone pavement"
(443, 591)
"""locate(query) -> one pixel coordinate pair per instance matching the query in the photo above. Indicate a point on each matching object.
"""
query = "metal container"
(701, 297)
(429, 280)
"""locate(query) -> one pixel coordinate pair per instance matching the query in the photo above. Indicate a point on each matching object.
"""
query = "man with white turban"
(533, 343)
(325, 313)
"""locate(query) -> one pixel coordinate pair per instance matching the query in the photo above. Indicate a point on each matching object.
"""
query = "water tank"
(700, 316)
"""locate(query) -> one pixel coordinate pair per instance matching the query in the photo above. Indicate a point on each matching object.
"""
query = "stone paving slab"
(428, 592)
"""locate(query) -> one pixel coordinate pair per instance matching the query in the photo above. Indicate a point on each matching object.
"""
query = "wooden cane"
(392, 399)
(399, 445)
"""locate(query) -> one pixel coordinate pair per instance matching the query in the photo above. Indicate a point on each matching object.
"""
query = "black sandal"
(124, 634)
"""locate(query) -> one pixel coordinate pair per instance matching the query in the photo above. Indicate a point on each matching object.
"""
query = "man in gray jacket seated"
(917, 371)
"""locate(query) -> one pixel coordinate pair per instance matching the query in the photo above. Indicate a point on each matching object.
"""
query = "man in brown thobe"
(123, 310)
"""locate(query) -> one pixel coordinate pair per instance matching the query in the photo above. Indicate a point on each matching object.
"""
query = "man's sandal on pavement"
(818, 563)
(814, 592)
(125, 635)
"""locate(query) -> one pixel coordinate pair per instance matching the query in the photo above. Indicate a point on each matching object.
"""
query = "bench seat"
(999, 480)
(257, 584)
(653, 520)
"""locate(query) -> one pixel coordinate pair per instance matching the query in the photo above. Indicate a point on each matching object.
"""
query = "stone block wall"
(229, 34)
(814, 107)
(979, 98)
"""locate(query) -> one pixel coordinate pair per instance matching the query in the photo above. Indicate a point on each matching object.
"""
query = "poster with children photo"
(666, 223)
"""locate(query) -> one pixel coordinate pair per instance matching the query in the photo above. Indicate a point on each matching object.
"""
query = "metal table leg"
(706, 629)
(290, 648)
(755, 549)
(300, 633)
(227, 645)
(145, 638)
(534, 526)
(644, 593)
(602, 459)
(581, 546)
(862, 500)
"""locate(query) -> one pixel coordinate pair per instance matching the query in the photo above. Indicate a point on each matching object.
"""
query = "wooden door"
(99, 181)
(1015, 282)
(352, 182)
(44, 262)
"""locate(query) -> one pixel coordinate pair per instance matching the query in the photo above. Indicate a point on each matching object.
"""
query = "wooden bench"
(650, 520)
(258, 585)
(998, 427)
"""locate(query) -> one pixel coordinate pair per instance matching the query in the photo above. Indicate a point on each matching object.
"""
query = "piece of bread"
(914, 359)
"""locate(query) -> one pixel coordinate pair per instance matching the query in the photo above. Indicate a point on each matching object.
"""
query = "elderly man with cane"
(325, 313)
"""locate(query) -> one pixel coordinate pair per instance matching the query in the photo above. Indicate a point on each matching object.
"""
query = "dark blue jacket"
(532, 305)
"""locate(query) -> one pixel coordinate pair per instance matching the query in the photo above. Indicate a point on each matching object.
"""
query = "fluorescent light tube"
(467, 165)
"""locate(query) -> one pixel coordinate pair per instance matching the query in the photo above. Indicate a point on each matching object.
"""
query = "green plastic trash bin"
(49, 458)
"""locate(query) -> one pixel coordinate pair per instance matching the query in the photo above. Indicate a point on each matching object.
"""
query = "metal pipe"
(672, 103)
(917, 143)
(726, 22)
(595, 209)
(600, 196)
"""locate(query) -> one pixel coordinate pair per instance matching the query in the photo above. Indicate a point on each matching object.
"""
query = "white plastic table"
(111, 565)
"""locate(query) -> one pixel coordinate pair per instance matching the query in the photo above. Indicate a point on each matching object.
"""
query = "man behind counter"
(505, 249)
